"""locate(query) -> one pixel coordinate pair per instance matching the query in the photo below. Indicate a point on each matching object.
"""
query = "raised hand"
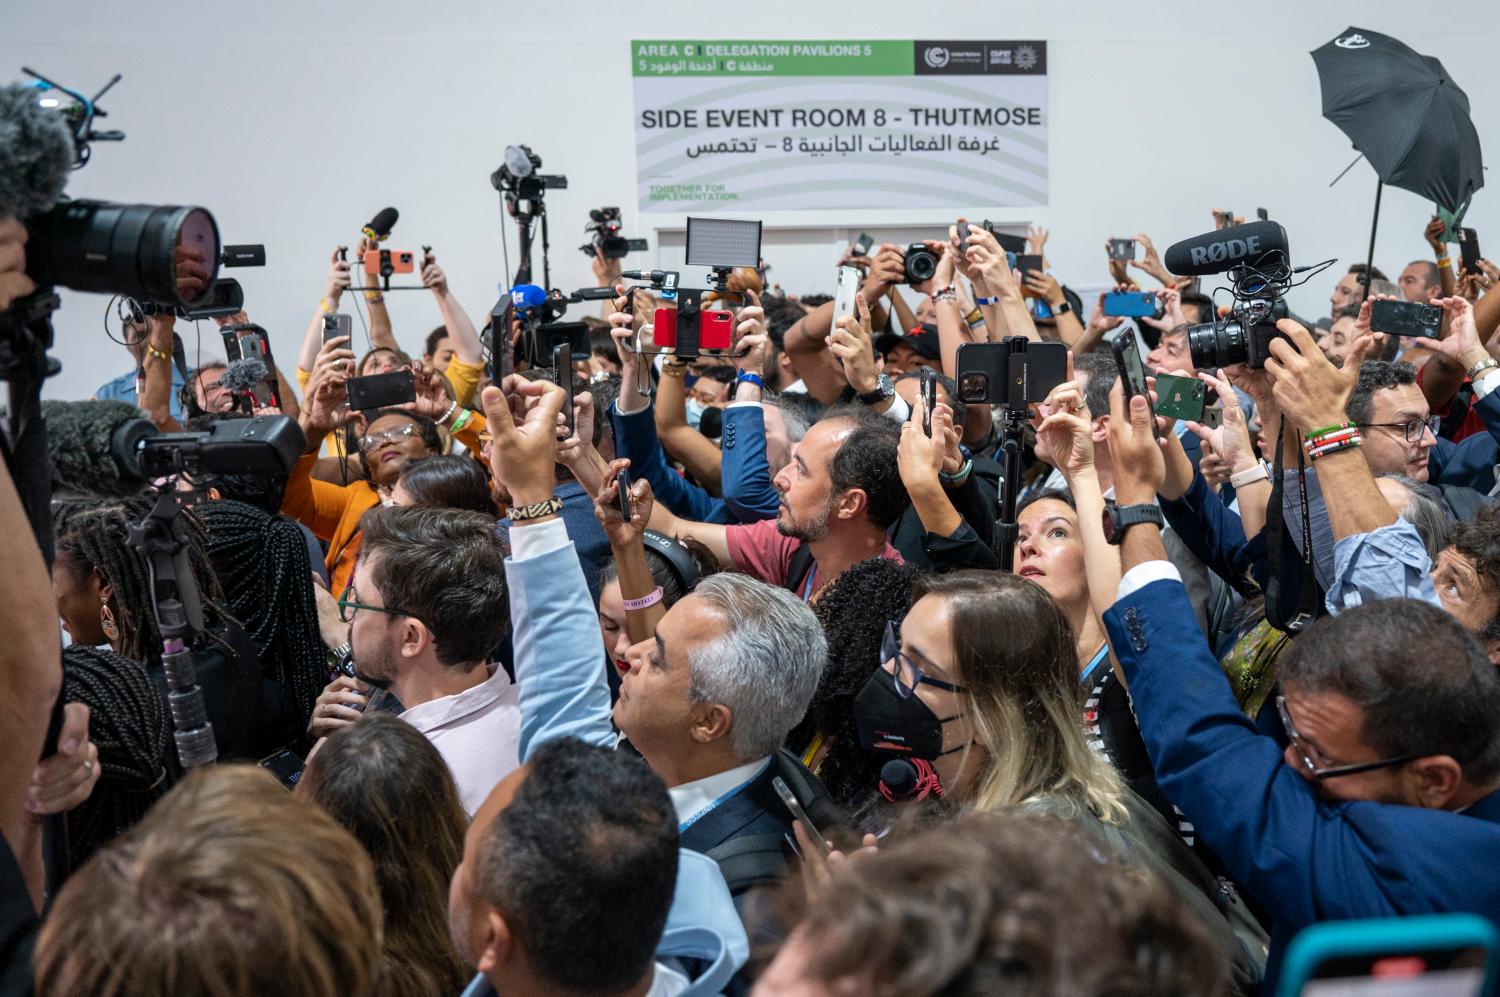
(607, 507)
(1309, 390)
(1230, 440)
(433, 277)
(339, 279)
(851, 341)
(1067, 430)
(1434, 236)
(522, 417)
(1036, 240)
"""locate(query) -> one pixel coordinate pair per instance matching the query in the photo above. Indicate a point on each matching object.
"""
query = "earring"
(107, 620)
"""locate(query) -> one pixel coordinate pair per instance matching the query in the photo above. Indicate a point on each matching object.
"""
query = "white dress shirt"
(695, 799)
(478, 733)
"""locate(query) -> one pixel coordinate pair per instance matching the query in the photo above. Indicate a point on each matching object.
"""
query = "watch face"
(1109, 521)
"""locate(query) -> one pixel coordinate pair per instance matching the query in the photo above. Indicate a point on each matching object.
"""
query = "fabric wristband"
(750, 378)
(988, 301)
(462, 421)
(644, 601)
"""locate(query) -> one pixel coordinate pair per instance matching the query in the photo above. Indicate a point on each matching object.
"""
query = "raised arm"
(467, 347)
(339, 281)
(807, 340)
(1434, 236)
(711, 535)
(696, 452)
(156, 391)
(643, 606)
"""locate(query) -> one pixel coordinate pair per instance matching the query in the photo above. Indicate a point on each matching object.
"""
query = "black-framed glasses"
(347, 606)
(1332, 772)
(907, 674)
(1413, 429)
(393, 435)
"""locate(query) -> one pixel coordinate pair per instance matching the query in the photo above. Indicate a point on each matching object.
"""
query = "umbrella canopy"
(1404, 113)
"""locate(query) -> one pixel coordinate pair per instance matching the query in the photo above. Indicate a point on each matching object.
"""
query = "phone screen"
(562, 364)
(1468, 249)
(1451, 973)
(929, 397)
(1132, 371)
(623, 480)
(790, 800)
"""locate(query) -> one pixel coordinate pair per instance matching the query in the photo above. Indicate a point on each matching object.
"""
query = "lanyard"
(710, 807)
(807, 586)
(1099, 660)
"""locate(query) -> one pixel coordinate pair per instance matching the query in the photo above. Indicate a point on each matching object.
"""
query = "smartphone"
(1406, 318)
(1223, 219)
(562, 365)
(664, 328)
(623, 480)
(502, 350)
(1122, 249)
(1011, 373)
(1181, 398)
(961, 228)
(716, 329)
(384, 262)
(1026, 263)
(286, 766)
(928, 386)
(863, 244)
(336, 325)
(1468, 249)
(378, 391)
(843, 302)
(1130, 304)
(1133, 372)
(1436, 955)
(790, 800)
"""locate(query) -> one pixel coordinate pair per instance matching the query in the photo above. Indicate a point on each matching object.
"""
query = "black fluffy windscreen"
(36, 153)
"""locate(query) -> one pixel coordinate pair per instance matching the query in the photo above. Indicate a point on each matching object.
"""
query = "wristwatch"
(1119, 518)
(536, 510)
(1260, 472)
(884, 389)
(1061, 308)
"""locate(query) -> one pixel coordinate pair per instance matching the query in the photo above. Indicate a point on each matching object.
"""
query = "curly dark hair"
(1376, 375)
(853, 611)
(1478, 539)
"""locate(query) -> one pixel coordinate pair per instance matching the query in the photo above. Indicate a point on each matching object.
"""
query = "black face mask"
(888, 723)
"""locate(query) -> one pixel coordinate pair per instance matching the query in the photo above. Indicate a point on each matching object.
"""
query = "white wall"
(295, 122)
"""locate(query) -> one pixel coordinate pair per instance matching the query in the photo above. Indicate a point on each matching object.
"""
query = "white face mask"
(695, 412)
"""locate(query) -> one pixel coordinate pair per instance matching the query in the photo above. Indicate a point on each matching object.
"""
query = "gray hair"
(765, 665)
(793, 416)
(1426, 511)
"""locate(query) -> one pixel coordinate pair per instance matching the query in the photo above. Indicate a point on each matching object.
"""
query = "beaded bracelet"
(1313, 433)
(1331, 448)
(645, 601)
(949, 293)
(1338, 436)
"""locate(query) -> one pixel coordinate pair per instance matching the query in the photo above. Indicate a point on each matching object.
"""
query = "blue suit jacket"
(1302, 859)
(1471, 461)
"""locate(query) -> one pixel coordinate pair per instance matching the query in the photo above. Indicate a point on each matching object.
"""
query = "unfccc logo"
(1355, 40)
(936, 57)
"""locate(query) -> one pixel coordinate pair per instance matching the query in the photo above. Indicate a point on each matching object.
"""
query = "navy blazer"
(1303, 859)
(754, 810)
(1471, 461)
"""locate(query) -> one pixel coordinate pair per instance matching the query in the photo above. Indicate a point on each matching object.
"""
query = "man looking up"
(426, 607)
(1420, 281)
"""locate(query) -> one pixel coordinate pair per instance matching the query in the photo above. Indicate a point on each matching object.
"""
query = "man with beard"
(840, 493)
(425, 608)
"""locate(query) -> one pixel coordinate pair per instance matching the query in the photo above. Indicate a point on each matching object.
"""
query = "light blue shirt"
(122, 389)
(1387, 563)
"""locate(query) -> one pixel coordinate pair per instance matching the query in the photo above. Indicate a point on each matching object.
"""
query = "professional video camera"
(607, 240)
(524, 191)
(1256, 258)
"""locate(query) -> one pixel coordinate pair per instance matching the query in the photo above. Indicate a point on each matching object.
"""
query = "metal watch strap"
(884, 388)
(536, 510)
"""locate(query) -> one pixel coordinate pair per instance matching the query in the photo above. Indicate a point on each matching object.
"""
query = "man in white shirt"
(426, 608)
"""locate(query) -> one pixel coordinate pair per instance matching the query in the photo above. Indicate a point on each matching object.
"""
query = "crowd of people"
(720, 681)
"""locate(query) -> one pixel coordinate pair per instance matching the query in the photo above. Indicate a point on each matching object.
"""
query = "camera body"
(605, 225)
(1012, 373)
(921, 263)
(1244, 337)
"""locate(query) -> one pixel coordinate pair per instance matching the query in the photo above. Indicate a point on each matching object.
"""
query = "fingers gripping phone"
(562, 363)
(790, 800)
(1468, 250)
(1406, 318)
(1122, 249)
(928, 385)
(336, 325)
(623, 480)
(848, 288)
(1133, 373)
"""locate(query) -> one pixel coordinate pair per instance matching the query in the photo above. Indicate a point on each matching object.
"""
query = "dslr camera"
(604, 224)
(1255, 256)
(921, 263)
(1243, 337)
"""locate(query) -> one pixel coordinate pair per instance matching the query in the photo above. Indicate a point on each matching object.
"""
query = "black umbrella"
(1404, 114)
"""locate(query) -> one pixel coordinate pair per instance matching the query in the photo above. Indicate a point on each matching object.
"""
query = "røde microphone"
(1254, 244)
(655, 276)
(380, 226)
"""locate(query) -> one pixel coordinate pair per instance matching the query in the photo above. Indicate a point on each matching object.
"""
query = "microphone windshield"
(525, 296)
(517, 161)
(36, 152)
(244, 374)
(93, 447)
(380, 226)
(899, 777)
(1255, 244)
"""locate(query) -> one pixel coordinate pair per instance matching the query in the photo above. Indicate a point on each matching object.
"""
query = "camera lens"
(1212, 345)
(973, 388)
(921, 264)
(164, 254)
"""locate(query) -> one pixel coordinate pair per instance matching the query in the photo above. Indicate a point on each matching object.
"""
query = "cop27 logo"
(936, 57)
(1355, 40)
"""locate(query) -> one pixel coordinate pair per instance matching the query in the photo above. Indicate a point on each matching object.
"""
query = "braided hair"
(95, 535)
(130, 726)
(264, 567)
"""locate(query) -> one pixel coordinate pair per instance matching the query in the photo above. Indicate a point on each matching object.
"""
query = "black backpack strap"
(798, 568)
(750, 860)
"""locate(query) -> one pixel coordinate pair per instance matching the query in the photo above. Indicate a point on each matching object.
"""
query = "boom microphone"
(244, 374)
(527, 296)
(36, 153)
(380, 226)
(1254, 245)
(92, 446)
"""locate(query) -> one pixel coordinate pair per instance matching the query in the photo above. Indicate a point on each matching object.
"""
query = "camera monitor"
(723, 242)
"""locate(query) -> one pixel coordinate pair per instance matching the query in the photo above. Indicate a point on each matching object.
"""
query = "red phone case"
(664, 327)
(715, 330)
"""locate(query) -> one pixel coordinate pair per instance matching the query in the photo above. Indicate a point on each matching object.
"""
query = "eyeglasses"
(1335, 771)
(908, 674)
(1413, 429)
(394, 435)
(347, 606)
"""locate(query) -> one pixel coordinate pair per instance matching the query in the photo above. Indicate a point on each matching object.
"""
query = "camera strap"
(1309, 595)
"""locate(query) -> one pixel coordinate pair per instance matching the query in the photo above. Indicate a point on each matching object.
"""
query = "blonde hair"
(1015, 657)
(230, 887)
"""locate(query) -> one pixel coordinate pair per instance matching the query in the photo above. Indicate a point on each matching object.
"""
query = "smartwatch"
(1119, 518)
(1062, 308)
(884, 389)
